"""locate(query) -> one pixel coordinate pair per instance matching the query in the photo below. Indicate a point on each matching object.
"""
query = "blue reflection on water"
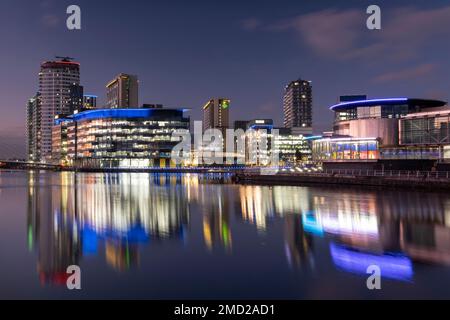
(392, 266)
(311, 224)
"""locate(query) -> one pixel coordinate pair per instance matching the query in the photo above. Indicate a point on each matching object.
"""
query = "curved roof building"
(413, 104)
(378, 117)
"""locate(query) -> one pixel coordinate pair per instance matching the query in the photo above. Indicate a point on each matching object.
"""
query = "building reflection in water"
(71, 215)
(216, 205)
(261, 204)
(391, 228)
(298, 243)
(55, 234)
(387, 229)
(75, 215)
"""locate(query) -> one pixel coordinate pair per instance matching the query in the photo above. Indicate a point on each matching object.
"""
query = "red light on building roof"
(50, 64)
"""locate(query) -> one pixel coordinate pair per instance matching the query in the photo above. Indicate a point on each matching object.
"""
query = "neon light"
(368, 102)
(392, 266)
(121, 113)
(256, 126)
(313, 137)
(349, 139)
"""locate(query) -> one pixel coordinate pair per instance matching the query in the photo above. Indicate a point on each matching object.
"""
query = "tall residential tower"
(55, 96)
(297, 106)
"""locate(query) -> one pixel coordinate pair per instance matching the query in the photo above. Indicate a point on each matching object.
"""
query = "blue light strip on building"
(261, 126)
(119, 113)
(370, 102)
(62, 120)
(313, 137)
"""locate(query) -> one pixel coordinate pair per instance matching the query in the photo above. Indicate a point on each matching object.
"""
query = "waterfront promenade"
(414, 179)
(285, 175)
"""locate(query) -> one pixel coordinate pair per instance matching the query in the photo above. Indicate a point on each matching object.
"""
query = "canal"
(188, 236)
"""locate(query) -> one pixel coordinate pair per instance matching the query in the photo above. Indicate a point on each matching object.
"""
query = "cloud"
(406, 74)
(342, 34)
(407, 33)
(328, 33)
(436, 94)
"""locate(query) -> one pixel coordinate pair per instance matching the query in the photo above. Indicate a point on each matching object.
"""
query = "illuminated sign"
(225, 104)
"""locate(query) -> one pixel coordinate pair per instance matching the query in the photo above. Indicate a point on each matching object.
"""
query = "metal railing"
(378, 173)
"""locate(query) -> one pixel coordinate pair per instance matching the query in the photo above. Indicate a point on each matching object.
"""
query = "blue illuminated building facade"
(368, 130)
(119, 138)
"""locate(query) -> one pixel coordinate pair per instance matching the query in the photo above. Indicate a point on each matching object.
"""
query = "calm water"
(190, 236)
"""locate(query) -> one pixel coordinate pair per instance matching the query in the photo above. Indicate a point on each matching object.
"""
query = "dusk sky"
(185, 52)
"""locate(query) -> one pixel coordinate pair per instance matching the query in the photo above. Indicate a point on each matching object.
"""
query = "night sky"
(186, 52)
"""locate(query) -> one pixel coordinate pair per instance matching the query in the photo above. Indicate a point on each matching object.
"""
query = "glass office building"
(290, 148)
(427, 128)
(115, 138)
(331, 149)
(59, 140)
(427, 132)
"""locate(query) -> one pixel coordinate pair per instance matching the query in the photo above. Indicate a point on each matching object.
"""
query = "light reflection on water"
(302, 233)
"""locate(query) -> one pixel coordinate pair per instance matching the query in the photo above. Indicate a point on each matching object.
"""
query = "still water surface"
(201, 237)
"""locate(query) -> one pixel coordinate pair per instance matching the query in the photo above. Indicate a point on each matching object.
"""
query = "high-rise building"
(297, 105)
(89, 101)
(56, 79)
(123, 92)
(34, 128)
(76, 97)
(216, 114)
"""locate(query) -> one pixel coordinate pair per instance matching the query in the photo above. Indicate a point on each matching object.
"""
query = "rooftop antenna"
(65, 59)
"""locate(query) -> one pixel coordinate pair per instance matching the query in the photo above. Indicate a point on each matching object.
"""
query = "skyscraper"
(56, 79)
(297, 106)
(76, 97)
(123, 92)
(34, 128)
(216, 114)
